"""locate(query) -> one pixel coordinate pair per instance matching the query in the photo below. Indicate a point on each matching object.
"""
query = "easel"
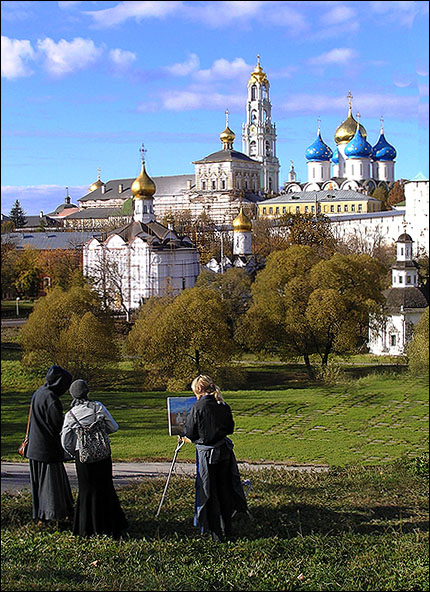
(178, 447)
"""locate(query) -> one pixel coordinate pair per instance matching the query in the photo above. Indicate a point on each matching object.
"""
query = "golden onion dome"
(227, 135)
(346, 130)
(97, 183)
(143, 187)
(258, 74)
(242, 223)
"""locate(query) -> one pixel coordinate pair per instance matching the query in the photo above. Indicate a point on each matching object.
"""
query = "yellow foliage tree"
(71, 329)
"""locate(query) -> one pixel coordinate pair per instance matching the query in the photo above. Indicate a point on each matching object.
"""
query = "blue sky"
(84, 84)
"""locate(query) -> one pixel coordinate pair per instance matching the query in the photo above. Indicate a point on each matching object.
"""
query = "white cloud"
(340, 55)
(15, 54)
(222, 69)
(122, 58)
(183, 69)
(123, 11)
(186, 101)
(65, 57)
(339, 14)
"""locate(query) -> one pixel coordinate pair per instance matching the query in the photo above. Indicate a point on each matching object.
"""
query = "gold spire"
(242, 223)
(258, 74)
(227, 136)
(143, 186)
(346, 130)
(97, 183)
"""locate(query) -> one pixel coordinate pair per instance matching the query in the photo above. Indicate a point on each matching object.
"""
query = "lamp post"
(17, 306)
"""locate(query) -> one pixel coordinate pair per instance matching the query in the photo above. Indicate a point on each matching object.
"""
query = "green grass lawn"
(348, 529)
(363, 525)
(279, 416)
(374, 414)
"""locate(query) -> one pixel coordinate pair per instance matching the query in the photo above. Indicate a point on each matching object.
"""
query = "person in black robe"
(219, 491)
(50, 487)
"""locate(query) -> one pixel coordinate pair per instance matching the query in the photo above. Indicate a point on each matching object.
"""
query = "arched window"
(253, 115)
(268, 148)
(253, 92)
(253, 148)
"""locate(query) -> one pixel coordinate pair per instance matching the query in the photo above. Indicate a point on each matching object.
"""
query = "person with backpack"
(85, 437)
(50, 487)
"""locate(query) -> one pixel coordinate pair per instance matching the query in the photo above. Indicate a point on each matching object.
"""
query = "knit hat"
(79, 389)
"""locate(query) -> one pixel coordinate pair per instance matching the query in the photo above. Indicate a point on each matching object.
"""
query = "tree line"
(300, 305)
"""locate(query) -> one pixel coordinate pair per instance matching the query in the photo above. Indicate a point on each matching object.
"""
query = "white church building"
(143, 258)
(405, 303)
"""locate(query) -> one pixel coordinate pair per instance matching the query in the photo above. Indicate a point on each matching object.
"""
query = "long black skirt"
(50, 490)
(98, 510)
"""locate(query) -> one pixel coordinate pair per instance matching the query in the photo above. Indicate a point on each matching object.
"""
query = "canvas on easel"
(177, 411)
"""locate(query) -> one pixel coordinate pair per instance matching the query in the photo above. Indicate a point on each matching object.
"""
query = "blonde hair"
(204, 385)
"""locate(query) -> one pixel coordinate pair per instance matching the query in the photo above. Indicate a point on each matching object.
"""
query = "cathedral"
(354, 164)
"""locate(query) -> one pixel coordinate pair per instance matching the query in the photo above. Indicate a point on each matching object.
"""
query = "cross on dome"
(142, 151)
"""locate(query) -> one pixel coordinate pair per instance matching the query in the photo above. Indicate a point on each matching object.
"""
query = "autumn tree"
(418, 347)
(7, 227)
(267, 238)
(397, 193)
(304, 305)
(234, 287)
(71, 329)
(60, 266)
(8, 259)
(17, 215)
(182, 337)
(27, 272)
(381, 194)
(311, 230)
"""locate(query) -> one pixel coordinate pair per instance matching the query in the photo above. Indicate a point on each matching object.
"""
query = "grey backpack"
(93, 440)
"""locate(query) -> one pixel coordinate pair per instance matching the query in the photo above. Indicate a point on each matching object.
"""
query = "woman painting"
(97, 508)
(50, 488)
(219, 491)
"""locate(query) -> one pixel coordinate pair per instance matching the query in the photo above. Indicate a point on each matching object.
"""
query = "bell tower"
(259, 133)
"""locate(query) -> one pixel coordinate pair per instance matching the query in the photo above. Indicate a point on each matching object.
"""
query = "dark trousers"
(220, 502)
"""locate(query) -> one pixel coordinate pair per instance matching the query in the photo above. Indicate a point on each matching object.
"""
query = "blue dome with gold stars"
(318, 150)
(383, 150)
(358, 147)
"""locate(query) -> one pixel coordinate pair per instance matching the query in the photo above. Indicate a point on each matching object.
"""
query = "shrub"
(71, 329)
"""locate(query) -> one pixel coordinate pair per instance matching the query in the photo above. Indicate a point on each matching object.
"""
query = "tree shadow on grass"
(290, 521)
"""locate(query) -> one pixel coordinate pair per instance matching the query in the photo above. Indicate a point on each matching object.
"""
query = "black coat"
(208, 422)
(46, 420)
